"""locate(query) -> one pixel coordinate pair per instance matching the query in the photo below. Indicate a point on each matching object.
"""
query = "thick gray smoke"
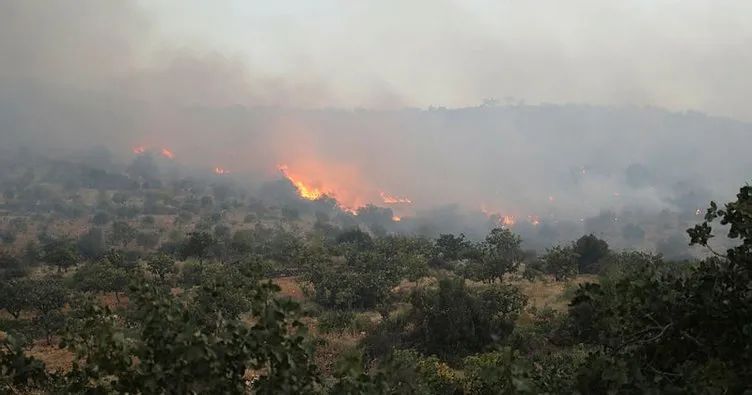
(86, 72)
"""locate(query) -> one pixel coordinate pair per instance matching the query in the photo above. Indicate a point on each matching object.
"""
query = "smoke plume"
(257, 93)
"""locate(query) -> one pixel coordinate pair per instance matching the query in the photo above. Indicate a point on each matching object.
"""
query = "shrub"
(336, 321)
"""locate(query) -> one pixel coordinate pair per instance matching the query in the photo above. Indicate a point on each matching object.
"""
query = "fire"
(396, 218)
(339, 183)
(388, 199)
(305, 191)
(315, 179)
(167, 153)
(221, 171)
(164, 152)
(498, 218)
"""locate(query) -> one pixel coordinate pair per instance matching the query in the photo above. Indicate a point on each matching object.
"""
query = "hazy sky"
(671, 53)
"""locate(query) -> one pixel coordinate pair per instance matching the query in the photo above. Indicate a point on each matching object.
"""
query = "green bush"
(336, 321)
(500, 372)
(451, 321)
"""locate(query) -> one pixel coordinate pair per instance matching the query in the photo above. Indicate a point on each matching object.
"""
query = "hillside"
(166, 253)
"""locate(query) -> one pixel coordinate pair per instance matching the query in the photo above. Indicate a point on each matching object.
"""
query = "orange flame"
(314, 179)
(305, 191)
(396, 218)
(388, 199)
(338, 183)
(221, 171)
(164, 152)
(498, 218)
(167, 153)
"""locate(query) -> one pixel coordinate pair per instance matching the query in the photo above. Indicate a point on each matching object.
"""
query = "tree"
(561, 262)
(198, 245)
(360, 278)
(176, 353)
(449, 248)
(12, 267)
(450, 321)
(60, 253)
(356, 237)
(207, 202)
(161, 265)
(222, 231)
(9, 193)
(143, 167)
(20, 373)
(14, 296)
(499, 372)
(48, 297)
(103, 276)
(501, 253)
(590, 250)
(7, 237)
(228, 290)
(122, 233)
(322, 217)
(681, 329)
(603, 223)
(148, 220)
(290, 213)
(119, 198)
(147, 240)
(101, 218)
(91, 243)
(18, 225)
(371, 214)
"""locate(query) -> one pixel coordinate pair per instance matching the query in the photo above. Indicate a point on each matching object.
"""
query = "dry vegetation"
(540, 293)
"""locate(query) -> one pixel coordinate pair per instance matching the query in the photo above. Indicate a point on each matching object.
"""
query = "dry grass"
(54, 358)
(548, 293)
(290, 287)
(110, 300)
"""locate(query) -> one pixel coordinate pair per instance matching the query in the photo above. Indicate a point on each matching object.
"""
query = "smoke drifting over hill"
(87, 72)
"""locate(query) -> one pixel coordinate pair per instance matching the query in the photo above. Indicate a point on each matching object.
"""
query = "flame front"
(167, 153)
(164, 152)
(340, 183)
(305, 191)
(388, 199)
(221, 171)
(498, 218)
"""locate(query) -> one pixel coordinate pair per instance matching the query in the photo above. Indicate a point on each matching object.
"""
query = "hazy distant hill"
(515, 156)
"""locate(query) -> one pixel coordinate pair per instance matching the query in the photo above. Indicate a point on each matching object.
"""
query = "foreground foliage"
(646, 326)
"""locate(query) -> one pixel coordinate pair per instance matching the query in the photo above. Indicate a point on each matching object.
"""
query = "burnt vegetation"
(132, 279)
